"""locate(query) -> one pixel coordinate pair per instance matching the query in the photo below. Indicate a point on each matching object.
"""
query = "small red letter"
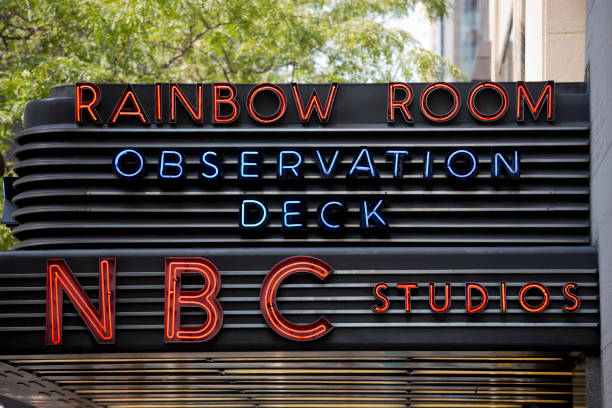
(468, 297)
(60, 279)
(527, 306)
(392, 104)
(503, 106)
(205, 299)
(425, 108)
(229, 99)
(381, 296)
(175, 92)
(136, 109)
(447, 298)
(407, 287)
(282, 103)
(571, 296)
(267, 300)
(314, 103)
(158, 103)
(502, 295)
(547, 95)
(90, 105)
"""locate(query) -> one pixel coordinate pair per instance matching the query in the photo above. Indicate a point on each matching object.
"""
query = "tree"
(50, 42)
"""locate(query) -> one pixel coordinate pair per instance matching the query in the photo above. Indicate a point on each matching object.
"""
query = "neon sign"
(460, 165)
(225, 101)
(472, 296)
(268, 104)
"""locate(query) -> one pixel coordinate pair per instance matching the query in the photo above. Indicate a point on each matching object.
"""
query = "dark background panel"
(345, 298)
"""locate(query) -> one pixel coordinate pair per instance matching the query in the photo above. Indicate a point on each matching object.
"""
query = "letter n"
(60, 279)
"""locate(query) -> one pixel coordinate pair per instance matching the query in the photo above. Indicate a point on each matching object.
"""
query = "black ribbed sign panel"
(345, 298)
(68, 194)
(344, 218)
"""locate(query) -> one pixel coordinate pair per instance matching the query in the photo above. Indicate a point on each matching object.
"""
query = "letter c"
(267, 299)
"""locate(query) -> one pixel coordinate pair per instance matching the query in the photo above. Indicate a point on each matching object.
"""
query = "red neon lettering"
(429, 114)
(60, 279)
(314, 103)
(571, 296)
(121, 110)
(269, 308)
(382, 297)
(175, 91)
(282, 106)
(407, 287)
(547, 95)
(204, 298)
(229, 99)
(469, 307)
(493, 116)
(542, 305)
(503, 299)
(447, 298)
(402, 105)
(90, 105)
(158, 103)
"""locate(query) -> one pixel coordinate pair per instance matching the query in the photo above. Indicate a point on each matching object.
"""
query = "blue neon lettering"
(370, 168)
(282, 166)
(324, 208)
(331, 165)
(123, 153)
(398, 161)
(449, 163)
(243, 214)
(367, 214)
(176, 164)
(427, 164)
(512, 170)
(287, 214)
(244, 164)
(210, 164)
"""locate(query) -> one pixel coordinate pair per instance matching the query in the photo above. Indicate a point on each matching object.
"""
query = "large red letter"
(100, 323)
(205, 299)
(90, 105)
(547, 95)
(229, 99)
(267, 299)
(314, 103)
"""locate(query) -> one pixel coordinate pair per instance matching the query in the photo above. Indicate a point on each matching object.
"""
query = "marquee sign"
(101, 322)
(168, 100)
(334, 216)
(233, 299)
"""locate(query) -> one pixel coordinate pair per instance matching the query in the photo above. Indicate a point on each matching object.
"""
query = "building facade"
(338, 245)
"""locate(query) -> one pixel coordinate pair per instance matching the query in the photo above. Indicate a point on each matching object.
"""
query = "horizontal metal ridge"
(67, 195)
(366, 272)
(320, 286)
(362, 128)
(254, 299)
(339, 325)
(308, 312)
